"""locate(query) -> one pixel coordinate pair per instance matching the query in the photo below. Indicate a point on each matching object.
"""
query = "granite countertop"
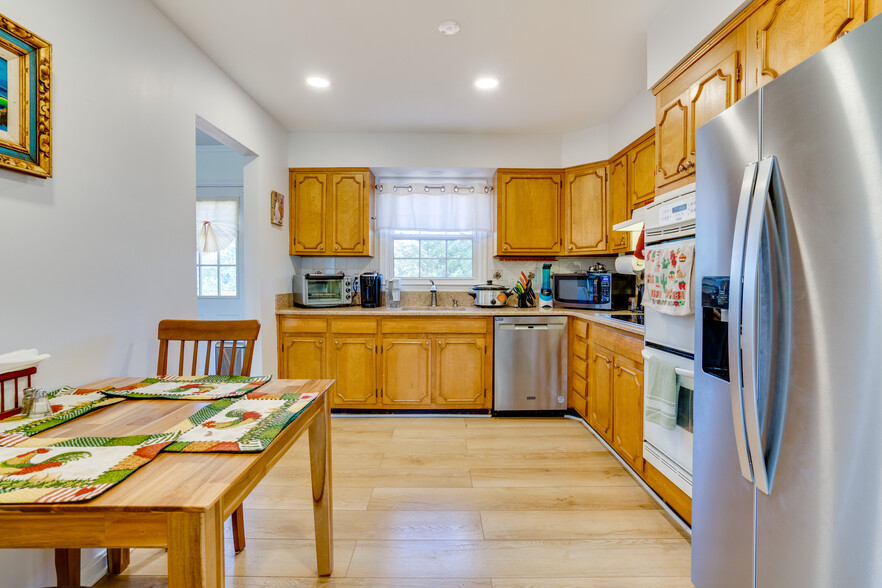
(467, 311)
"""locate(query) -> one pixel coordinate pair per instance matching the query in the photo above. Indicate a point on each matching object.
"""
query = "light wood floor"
(470, 502)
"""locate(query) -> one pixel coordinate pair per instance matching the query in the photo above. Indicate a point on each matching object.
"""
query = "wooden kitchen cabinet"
(600, 393)
(330, 212)
(781, 34)
(528, 212)
(585, 203)
(461, 368)
(407, 371)
(303, 356)
(618, 203)
(641, 172)
(628, 411)
(843, 16)
(672, 142)
(353, 365)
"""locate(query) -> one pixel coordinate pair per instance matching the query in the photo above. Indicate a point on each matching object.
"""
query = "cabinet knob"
(658, 171)
(426, 343)
(505, 247)
(440, 343)
(336, 342)
(336, 247)
(321, 341)
(322, 247)
(680, 167)
(571, 247)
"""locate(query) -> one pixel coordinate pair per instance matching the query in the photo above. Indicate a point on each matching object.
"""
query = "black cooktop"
(628, 318)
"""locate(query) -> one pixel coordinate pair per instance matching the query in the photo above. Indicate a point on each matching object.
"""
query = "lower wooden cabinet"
(432, 363)
(628, 411)
(601, 391)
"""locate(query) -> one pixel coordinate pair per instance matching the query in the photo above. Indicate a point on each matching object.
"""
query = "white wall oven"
(670, 222)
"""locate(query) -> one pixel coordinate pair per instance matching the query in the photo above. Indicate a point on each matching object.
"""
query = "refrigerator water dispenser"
(715, 326)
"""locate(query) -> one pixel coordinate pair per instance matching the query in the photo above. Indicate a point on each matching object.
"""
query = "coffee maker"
(370, 285)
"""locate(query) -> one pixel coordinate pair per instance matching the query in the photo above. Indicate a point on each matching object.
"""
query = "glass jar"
(35, 403)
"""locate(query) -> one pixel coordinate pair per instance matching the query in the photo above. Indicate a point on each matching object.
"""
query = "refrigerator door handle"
(735, 294)
(766, 220)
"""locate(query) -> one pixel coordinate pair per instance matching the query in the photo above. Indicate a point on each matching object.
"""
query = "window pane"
(228, 281)
(433, 268)
(432, 248)
(228, 255)
(208, 281)
(406, 248)
(461, 248)
(407, 268)
(459, 268)
(208, 258)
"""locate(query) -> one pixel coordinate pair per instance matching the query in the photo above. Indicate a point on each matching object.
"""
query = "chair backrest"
(226, 333)
(10, 396)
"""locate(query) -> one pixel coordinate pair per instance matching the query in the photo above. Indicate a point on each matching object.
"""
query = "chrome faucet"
(455, 302)
(434, 291)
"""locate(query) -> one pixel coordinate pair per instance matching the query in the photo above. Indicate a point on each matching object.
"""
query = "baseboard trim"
(93, 570)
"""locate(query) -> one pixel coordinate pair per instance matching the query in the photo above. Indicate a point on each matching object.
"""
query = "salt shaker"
(40, 404)
(27, 400)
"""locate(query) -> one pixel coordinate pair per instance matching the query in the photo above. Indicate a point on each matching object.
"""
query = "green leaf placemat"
(43, 471)
(243, 425)
(67, 403)
(191, 387)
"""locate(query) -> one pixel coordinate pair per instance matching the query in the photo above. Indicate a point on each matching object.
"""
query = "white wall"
(92, 258)
(423, 150)
(585, 146)
(632, 121)
(680, 28)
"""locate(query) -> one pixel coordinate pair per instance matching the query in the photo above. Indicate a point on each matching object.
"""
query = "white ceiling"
(563, 65)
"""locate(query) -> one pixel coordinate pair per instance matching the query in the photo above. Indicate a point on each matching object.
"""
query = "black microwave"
(593, 291)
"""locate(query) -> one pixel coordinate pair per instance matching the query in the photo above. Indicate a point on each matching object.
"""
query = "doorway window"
(217, 247)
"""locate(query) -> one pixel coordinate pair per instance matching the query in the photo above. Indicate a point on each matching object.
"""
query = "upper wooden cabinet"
(331, 212)
(672, 141)
(641, 172)
(618, 203)
(780, 34)
(528, 212)
(585, 204)
(843, 16)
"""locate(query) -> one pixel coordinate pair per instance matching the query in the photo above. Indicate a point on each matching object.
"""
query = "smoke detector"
(448, 27)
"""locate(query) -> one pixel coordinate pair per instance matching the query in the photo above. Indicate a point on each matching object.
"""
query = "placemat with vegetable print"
(244, 425)
(191, 387)
(43, 471)
(67, 403)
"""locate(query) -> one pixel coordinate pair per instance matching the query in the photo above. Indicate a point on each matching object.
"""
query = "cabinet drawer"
(580, 348)
(580, 405)
(580, 328)
(354, 325)
(433, 326)
(303, 325)
(580, 386)
(618, 341)
(580, 367)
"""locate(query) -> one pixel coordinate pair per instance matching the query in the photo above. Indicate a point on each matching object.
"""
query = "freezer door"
(821, 524)
(723, 500)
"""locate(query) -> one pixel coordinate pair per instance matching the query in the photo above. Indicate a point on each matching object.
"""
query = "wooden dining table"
(178, 501)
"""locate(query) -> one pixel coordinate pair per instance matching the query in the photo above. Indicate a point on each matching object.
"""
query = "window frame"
(480, 248)
(238, 266)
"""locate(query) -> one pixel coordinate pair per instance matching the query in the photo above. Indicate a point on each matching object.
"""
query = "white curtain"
(217, 224)
(459, 209)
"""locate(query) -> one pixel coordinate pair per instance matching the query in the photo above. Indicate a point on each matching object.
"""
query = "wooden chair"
(10, 395)
(228, 334)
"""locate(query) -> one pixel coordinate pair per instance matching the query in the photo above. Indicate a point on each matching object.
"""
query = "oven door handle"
(679, 371)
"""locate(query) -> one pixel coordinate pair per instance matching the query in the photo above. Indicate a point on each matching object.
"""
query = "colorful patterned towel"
(67, 403)
(244, 425)
(191, 387)
(668, 277)
(70, 470)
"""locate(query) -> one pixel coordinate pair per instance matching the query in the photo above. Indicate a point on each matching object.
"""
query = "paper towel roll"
(628, 264)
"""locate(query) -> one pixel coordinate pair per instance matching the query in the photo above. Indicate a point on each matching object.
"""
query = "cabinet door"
(304, 356)
(641, 173)
(406, 371)
(710, 95)
(672, 144)
(628, 411)
(600, 384)
(353, 363)
(781, 34)
(308, 214)
(528, 213)
(843, 16)
(348, 213)
(460, 371)
(618, 203)
(585, 210)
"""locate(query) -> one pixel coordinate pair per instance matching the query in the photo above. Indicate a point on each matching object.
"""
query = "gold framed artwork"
(277, 208)
(25, 110)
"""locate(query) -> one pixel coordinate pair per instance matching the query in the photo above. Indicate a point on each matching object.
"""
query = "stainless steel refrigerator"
(788, 355)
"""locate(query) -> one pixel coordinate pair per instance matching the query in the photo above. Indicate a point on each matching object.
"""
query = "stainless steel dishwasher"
(529, 363)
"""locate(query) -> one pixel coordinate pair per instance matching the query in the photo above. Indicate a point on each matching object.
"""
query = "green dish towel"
(661, 393)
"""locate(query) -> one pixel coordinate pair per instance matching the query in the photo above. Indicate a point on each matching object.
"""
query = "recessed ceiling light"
(448, 27)
(486, 83)
(317, 82)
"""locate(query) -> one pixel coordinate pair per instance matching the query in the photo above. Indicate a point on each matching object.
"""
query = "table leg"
(196, 549)
(118, 559)
(320, 462)
(67, 567)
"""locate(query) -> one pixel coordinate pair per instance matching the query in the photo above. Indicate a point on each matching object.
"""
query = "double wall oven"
(671, 218)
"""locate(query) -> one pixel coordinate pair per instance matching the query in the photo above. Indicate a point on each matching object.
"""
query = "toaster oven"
(323, 289)
(593, 291)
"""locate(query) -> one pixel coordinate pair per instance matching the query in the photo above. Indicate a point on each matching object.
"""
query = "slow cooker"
(489, 294)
